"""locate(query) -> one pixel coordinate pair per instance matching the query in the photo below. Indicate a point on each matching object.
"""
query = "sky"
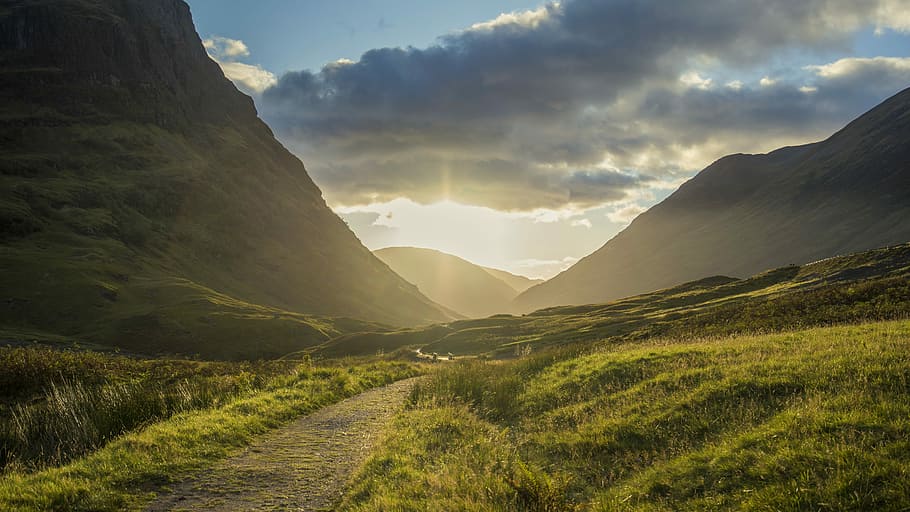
(523, 135)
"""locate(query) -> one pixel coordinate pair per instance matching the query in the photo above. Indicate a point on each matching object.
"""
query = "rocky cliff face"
(139, 186)
(147, 50)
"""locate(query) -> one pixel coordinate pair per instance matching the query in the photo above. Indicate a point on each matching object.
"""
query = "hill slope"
(872, 285)
(144, 204)
(518, 283)
(805, 420)
(456, 283)
(747, 213)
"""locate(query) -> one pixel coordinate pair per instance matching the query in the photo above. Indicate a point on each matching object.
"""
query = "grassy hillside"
(748, 213)
(143, 203)
(865, 286)
(807, 420)
(458, 284)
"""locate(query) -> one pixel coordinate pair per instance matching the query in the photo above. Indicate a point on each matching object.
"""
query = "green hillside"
(865, 286)
(143, 203)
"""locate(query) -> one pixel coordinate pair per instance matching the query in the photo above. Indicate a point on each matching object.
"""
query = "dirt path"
(303, 466)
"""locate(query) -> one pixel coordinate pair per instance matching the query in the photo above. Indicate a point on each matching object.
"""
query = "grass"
(90, 431)
(814, 419)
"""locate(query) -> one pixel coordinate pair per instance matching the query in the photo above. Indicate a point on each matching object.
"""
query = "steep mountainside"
(144, 204)
(747, 213)
(456, 283)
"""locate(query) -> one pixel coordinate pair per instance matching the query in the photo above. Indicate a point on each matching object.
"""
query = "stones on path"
(303, 466)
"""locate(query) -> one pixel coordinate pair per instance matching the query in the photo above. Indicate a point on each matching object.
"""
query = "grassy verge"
(810, 420)
(60, 404)
(125, 472)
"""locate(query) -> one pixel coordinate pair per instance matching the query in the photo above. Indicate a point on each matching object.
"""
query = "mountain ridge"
(747, 213)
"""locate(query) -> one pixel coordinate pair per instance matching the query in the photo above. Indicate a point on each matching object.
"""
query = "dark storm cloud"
(568, 105)
(507, 185)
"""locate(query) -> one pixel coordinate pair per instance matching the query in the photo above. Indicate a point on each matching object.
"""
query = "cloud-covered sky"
(563, 121)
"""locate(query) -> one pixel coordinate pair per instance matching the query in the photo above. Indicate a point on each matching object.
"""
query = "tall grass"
(122, 474)
(75, 418)
(58, 405)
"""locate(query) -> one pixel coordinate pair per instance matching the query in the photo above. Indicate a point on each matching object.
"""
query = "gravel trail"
(303, 466)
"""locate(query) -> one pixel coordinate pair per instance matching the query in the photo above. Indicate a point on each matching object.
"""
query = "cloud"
(542, 268)
(892, 15)
(519, 19)
(856, 67)
(625, 214)
(249, 78)
(693, 79)
(504, 184)
(572, 105)
(225, 47)
(586, 223)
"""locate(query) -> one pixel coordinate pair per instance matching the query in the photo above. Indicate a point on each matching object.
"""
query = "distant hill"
(458, 284)
(748, 213)
(518, 283)
(867, 286)
(144, 204)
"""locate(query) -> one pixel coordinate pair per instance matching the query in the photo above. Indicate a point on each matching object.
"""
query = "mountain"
(518, 283)
(145, 205)
(458, 284)
(747, 213)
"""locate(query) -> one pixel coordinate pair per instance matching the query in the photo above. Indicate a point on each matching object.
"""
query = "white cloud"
(808, 89)
(767, 81)
(250, 78)
(524, 19)
(582, 223)
(247, 77)
(225, 47)
(693, 79)
(861, 65)
(735, 85)
(625, 214)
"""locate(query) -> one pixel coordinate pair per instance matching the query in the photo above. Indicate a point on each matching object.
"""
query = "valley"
(190, 321)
